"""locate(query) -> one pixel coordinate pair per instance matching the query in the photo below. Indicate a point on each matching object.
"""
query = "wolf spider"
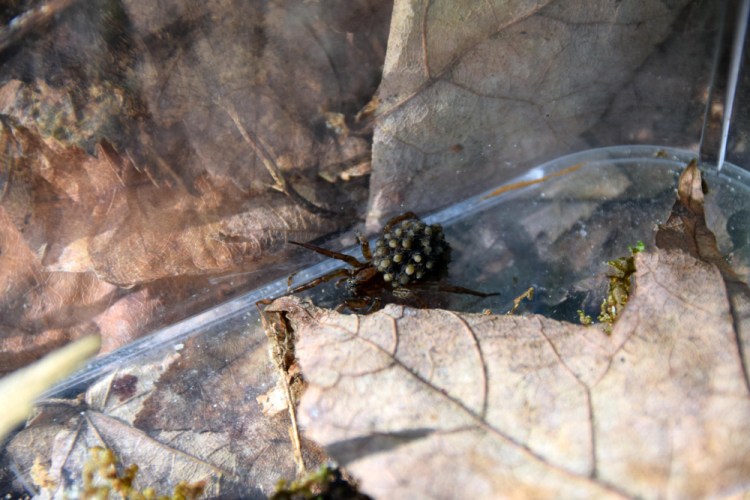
(410, 256)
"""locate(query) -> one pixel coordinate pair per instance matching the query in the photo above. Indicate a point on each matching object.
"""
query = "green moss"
(584, 318)
(327, 483)
(619, 289)
(102, 477)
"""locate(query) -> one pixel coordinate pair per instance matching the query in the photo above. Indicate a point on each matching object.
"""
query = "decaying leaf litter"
(497, 403)
(142, 148)
(163, 40)
(436, 403)
(181, 174)
(189, 416)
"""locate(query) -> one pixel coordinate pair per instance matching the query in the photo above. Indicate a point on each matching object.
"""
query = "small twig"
(523, 184)
(278, 333)
(294, 429)
(267, 160)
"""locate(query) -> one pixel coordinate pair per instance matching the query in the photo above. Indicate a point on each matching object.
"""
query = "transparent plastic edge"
(200, 322)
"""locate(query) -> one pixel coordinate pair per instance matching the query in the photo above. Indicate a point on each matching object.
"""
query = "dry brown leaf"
(72, 225)
(280, 66)
(473, 93)
(40, 311)
(120, 162)
(440, 404)
(190, 415)
(156, 80)
(82, 213)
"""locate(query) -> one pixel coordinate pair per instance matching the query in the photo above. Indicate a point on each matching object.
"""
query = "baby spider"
(409, 256)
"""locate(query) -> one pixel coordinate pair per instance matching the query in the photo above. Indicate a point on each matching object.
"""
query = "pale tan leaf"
(440, 404)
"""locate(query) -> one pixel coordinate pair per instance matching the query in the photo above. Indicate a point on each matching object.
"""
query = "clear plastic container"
(555, 235)
(584, 167)
(552, 229)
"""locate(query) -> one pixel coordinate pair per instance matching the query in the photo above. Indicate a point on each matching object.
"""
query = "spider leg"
(321, 279)
(365, 244)
(459, 289)
(263, 302)
(352, 304)
(329, 253)
(290, 278)
(364, 305)
(444, 287)
(377, 304)
(399, 218)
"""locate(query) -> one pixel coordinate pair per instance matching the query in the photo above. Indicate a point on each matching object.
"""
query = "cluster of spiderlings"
(411, 251)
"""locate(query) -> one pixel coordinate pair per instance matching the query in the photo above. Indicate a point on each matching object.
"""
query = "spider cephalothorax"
(409, 255)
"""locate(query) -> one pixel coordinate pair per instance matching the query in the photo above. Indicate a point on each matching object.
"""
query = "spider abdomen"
(410, 251)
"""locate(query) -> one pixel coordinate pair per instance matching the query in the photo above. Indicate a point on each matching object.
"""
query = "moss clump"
(584, 318)
(619, 289)
(101, 478)
(327, 483)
